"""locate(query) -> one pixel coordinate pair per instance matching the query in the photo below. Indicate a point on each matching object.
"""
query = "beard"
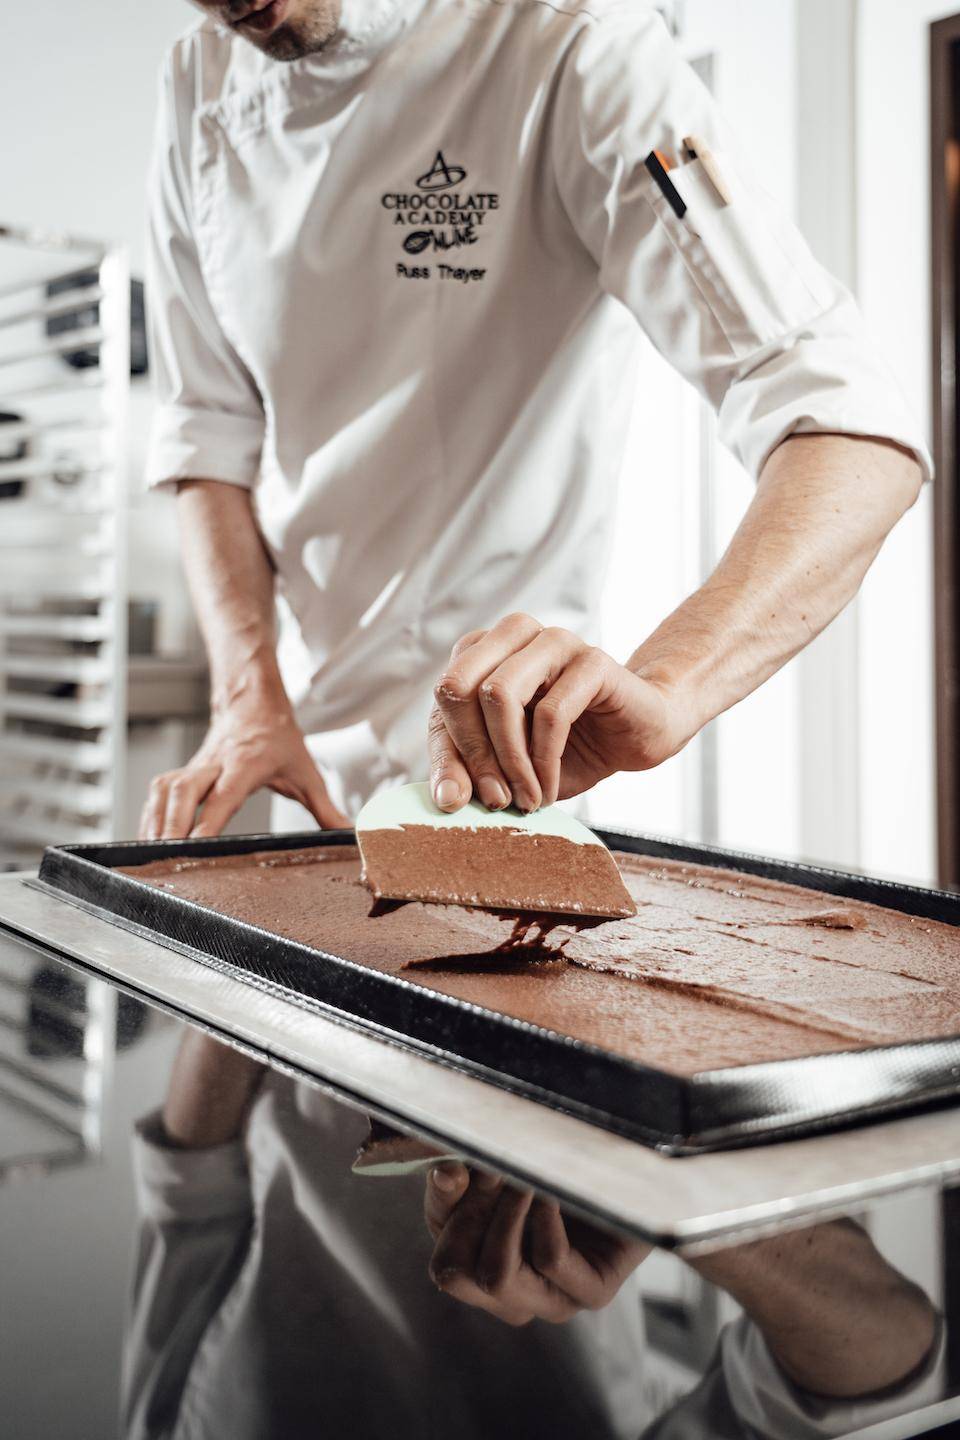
(304, 34)
(311, 27)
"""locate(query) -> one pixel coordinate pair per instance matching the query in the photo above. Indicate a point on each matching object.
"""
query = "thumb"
(450, 783)
(318, 802)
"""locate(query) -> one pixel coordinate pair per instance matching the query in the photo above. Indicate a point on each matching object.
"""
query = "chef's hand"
(249, 745)
(517, 1257)
(528, 715)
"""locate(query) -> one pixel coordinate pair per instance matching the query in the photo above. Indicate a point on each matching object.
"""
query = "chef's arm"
(537, 714)
(195, 1215)
(822, 509)
(253, 740)
(211, 1089)
(838, 1319)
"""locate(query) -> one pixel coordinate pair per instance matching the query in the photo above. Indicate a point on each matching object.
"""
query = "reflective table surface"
(192, 1249)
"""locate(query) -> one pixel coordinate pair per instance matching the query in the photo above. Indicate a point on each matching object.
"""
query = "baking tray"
(680, 1115)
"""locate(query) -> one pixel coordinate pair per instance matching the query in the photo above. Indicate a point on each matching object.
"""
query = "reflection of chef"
(272, 1299)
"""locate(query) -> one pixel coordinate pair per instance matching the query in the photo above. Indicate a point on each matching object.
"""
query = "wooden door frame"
(945, 296)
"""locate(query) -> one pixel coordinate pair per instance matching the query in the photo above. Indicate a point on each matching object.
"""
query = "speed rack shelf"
(64, 381)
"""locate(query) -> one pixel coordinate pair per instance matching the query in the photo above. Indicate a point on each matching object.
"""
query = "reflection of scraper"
(386, 1152)
(501, 860)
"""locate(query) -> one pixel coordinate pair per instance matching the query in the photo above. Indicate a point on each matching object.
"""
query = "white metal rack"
(63, 402)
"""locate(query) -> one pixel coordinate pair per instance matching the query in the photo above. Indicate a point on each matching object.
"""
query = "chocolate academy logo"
(440, 213)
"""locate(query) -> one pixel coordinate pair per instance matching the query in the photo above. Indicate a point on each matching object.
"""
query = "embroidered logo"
(439, 216)
(441, 176)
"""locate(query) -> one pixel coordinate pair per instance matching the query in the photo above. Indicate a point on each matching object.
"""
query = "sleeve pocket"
(746, 259)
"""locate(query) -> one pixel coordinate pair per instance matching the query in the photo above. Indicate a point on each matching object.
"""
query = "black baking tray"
(680, 1115)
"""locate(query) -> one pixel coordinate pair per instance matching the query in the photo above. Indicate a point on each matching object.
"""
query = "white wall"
(897, 677)
(656, 562)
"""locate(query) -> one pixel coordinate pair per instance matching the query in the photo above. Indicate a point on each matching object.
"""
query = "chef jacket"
(266, 1304)
(398, 289)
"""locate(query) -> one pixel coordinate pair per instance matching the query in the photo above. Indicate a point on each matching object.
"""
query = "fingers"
(450, 782)
(505, 707)
(222, 803)
(504, 696)
(587, 1264)
(459, 709)
(445, 1188)
(172, 802)
(462, 1235)
(500, 1256)
(318, 802)
(186, 792)
(573, 692)
(479, 1257)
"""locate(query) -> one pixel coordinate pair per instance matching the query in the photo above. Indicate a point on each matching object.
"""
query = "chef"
(402, 253)
(405, 458)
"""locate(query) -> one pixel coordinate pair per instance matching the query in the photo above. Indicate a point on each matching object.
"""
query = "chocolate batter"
(716, 968)
(493, 867)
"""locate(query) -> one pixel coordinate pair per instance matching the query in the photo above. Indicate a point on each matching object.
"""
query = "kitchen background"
(833, 760)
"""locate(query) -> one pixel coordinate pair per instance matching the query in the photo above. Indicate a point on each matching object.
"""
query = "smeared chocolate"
(715, 969)
(527, 940)
(383, 906)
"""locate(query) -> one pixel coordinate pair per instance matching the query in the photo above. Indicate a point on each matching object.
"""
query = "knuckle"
(159, 783)
(547, 1261)
(495, 693)
(549, 712)
(436, 725)
(475, 753)
(451, 689)
(520, 620)
(555, 632)
(493, 1283)
(517, 1319)
(465, 641)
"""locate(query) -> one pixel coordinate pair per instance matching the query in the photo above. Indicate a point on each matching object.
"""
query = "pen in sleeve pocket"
(659, 168)
(697, 150)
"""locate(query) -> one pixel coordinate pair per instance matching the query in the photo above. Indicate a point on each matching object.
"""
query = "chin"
(285, 44)
(302, 35)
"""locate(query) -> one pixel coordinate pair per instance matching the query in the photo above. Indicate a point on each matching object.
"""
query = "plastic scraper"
(500, 860)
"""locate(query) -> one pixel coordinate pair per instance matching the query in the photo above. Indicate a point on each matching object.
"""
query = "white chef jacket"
(397, 290)
(266, 1304)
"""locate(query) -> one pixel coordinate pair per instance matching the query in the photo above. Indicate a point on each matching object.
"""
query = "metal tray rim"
(687, 1102)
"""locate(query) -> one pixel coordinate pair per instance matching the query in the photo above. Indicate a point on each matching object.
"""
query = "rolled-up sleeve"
(195, 1215)
(209, 420)
(730, 294)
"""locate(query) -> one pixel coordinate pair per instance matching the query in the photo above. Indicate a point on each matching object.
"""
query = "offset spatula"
(500, 860)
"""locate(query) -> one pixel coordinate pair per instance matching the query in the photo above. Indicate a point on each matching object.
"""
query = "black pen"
(660, 170)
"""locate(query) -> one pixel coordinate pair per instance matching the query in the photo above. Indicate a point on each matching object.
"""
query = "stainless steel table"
(66, 1240)
(690, 1204)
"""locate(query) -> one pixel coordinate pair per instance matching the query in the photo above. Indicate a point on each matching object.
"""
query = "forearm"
(231, 583)
(211, 1089)
(839, 1320)
(823, 507)
(254, 739)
